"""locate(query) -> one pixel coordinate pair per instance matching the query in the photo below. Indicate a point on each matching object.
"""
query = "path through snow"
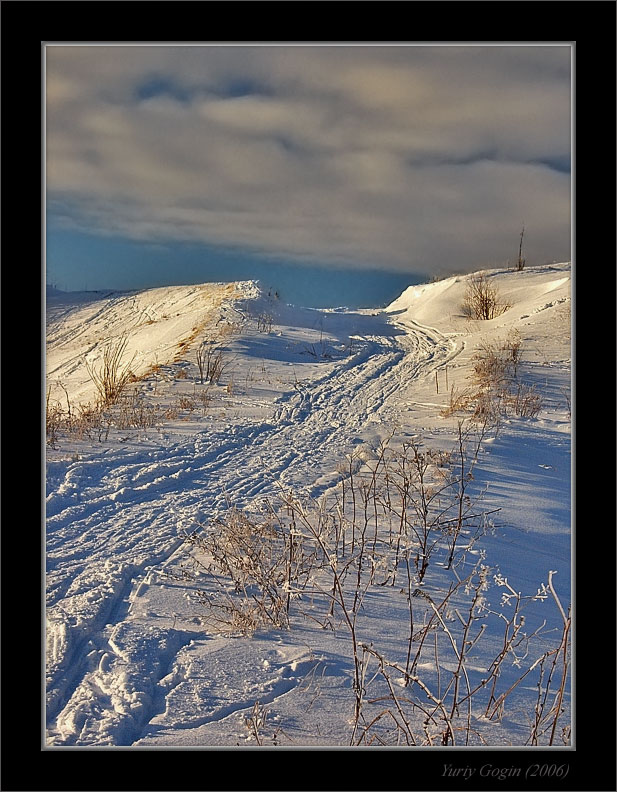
(114, 521)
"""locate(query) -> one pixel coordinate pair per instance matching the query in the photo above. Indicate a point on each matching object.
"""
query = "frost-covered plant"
(248, 569)
(451, 700)
(460, 400)
(408, 518)
(496, 391)
(53, 419)
(512, 346)
(264, 323)
(256, 721)
(91, 421)
(185, 403)
(554, 674)
(389, 516)
(430, 711)
(133, 411)
(204, 397)
(497, 362)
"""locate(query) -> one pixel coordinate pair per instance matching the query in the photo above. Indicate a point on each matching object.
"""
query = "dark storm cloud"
(411, 158)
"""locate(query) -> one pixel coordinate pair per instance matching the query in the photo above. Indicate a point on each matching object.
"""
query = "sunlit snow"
(306, 399)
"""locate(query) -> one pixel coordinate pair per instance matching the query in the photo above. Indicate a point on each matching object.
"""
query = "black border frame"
(590, 27)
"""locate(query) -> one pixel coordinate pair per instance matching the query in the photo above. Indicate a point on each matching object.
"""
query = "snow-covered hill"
(159, 324)
(305, 404)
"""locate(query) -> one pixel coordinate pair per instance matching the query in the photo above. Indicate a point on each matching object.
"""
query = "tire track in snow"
(115, 697)
(135, 502)
(208, 677)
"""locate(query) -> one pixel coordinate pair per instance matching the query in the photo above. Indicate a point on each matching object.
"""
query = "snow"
(307, 397)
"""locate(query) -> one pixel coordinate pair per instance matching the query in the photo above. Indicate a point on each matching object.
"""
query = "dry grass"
(524, 401)
(112, 377)
(460, 400)
(210, 362)
(495, 389)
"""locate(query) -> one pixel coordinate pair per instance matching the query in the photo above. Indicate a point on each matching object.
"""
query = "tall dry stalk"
(209, 362)
(520, 264)
(112, 377)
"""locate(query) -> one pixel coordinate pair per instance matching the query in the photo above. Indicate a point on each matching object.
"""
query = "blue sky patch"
(162, 86)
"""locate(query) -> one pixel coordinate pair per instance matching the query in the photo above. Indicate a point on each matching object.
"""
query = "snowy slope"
(305, 395)
(158, 324)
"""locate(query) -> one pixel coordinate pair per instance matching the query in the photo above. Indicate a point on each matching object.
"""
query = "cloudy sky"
(179, 163)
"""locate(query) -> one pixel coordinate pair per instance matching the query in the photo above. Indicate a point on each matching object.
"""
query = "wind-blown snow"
(129, 661)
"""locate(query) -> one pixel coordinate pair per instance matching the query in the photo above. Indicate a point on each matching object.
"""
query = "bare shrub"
(264, 323)
(494, 362)
(186, 403)
(512, 346)
(204, 397)
(421, 495)
(171, 412)
(495, 391)
(79, 422)
(253, 565)
(89, 419)
(481, 299)
(481, 404)
(489, 369)
(451, 705)
(549, 706)
(53, 419)
(256, 722)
